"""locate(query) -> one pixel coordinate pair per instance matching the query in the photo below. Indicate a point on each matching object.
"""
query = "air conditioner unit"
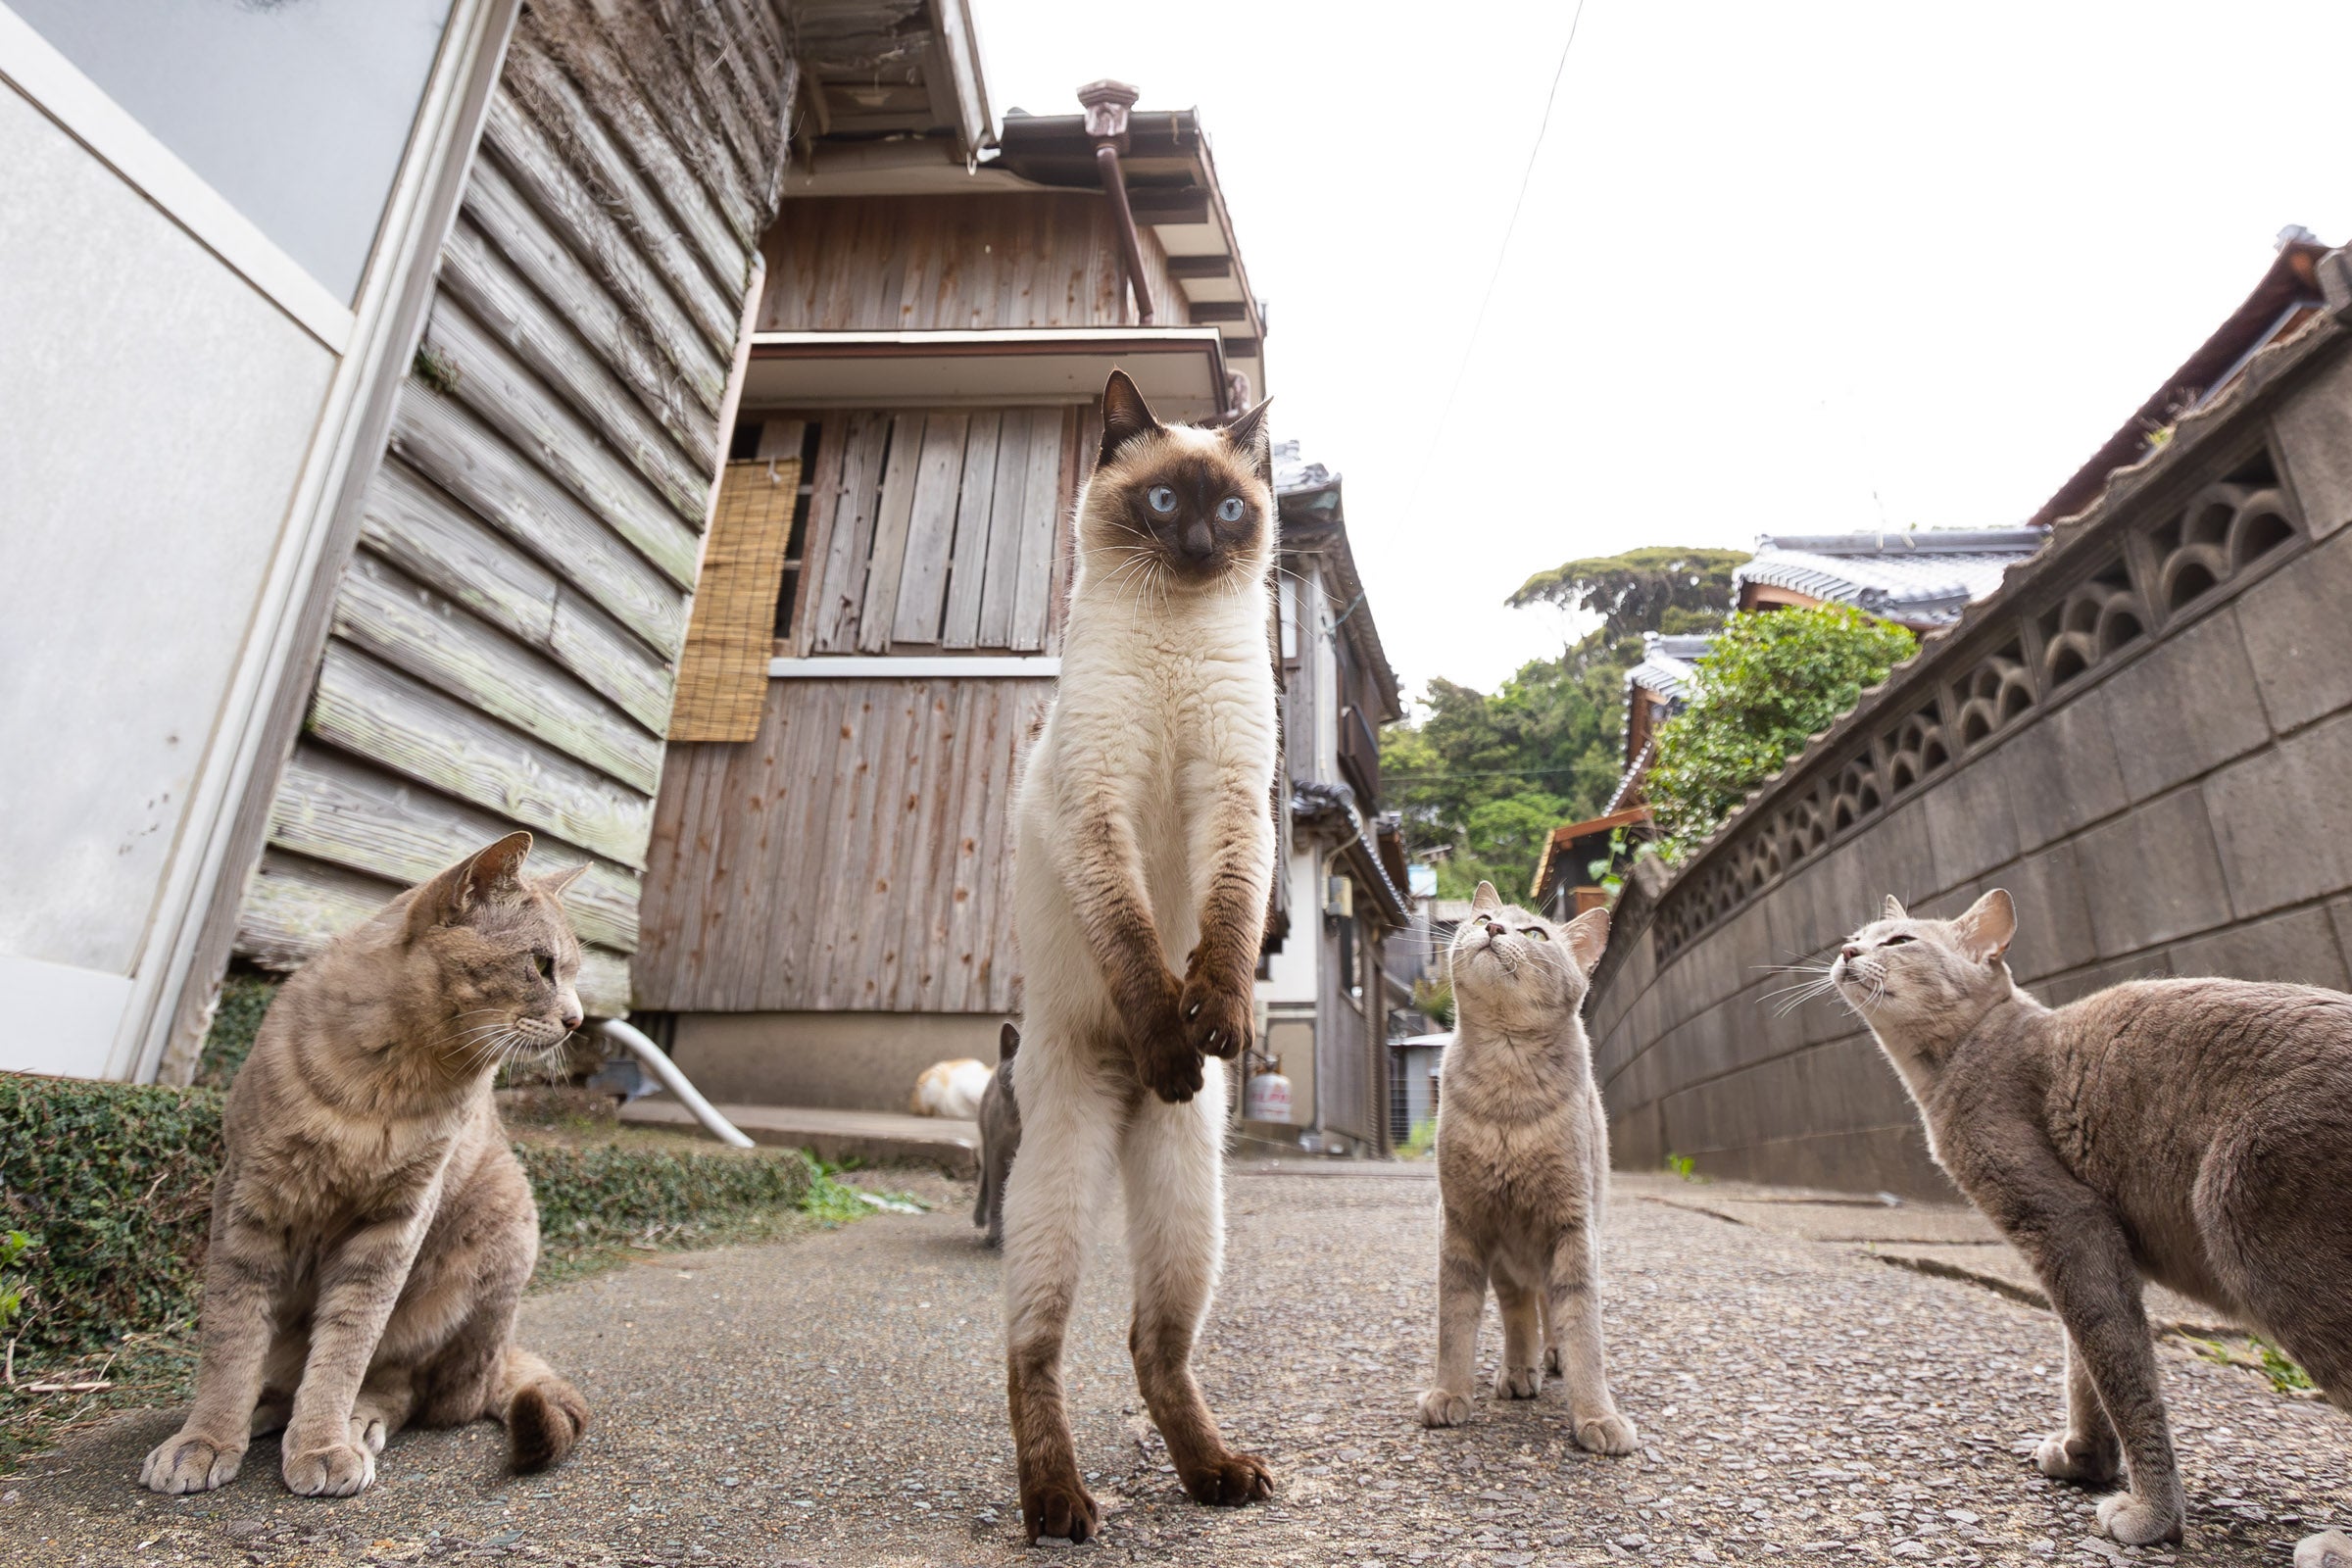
(1338, 897)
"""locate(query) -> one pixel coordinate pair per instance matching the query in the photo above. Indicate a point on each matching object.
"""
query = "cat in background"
(1523, 1168)
(372, 1229)
(2198, 1133)
(1000, 1137)
(951, 1088)
(1146, 848)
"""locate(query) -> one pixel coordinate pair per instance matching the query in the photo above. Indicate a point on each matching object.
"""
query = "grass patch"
(111, 1187)
(2256, 1356)
(237, 1019)
(1421, 1143)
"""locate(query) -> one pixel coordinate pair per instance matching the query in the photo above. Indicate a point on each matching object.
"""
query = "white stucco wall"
(154, 413)
(1291, 973)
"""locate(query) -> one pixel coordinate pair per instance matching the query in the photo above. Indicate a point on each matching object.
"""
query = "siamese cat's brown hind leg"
(1070, 1119)
(1173, 1176)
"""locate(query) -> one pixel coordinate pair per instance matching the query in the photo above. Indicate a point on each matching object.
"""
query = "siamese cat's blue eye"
(1163, 499)
(1230, 509)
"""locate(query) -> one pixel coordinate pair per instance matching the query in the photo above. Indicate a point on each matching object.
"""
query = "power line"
(1511, 231)
(1494, 772)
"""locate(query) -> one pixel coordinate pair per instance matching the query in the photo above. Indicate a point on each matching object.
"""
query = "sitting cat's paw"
(1442, 1407)
(1518, 1383)
(1552, 1361)
(1063, 1509)
(2067, 1458)
(368, 1431)
(1218, 1015)
(1231, 1480)
(1606, 1432)
(338, 1470)
(2134, 1521)
(2329, 1548)
(186, 1462)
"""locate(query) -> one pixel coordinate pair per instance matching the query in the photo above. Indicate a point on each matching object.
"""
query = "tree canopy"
(1662, 588)
(1482, 778)
(1772, 681)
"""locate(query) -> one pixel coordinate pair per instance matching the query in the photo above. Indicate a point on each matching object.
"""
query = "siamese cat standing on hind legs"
(1146, 848)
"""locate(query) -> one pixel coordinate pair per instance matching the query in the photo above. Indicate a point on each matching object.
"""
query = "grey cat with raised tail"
(2198, 1133)
(1523, 1168)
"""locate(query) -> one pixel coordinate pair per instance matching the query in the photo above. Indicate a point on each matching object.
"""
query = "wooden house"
(827, 894)
(1325, 991)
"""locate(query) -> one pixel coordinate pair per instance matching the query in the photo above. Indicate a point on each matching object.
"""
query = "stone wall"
(2145, 736)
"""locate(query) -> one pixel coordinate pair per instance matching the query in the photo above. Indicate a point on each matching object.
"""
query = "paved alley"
(838, 1400)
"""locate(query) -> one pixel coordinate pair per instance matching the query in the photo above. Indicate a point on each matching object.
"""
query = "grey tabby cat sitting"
(1000, 1137)
(2193, 1132)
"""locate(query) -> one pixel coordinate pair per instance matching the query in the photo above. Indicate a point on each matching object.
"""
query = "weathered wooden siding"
(506, 638)
(893, 264)
(856, 855)
(937, 530)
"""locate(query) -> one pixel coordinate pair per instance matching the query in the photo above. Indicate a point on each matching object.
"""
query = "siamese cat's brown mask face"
(1187, 507)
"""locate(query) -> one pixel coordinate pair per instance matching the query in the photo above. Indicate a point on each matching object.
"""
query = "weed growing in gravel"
(1423, 1140)
(2284, 1375)
(1686, 1167)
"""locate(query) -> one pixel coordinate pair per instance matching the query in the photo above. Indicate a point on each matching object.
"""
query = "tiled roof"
(1668, 664)
(1921, 576)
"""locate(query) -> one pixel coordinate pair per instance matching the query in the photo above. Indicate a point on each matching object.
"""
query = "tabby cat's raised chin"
(372, 1229)
(1145, 853)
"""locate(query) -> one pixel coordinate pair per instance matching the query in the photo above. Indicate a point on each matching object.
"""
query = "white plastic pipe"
(655, 1058)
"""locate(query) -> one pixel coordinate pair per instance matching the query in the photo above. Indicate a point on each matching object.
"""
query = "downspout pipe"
(1107, 104)
(657, 1063)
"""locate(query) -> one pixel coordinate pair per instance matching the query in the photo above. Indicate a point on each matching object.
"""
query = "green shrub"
(599, 1192)
(1772, 681)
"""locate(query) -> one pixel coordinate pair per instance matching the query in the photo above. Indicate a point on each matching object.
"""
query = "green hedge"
(115, 1182)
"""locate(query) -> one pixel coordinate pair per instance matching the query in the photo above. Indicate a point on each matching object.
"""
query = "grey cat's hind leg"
(2327, 1550)
(2087, 1450)
(1520, 1376)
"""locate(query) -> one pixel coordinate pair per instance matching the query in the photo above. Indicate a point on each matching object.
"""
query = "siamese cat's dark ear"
(1987, 927)
(1894, 911)
(1125, 415)
(1247, 434)
(1008, 1041)
(484, 875)
(1588, 934)
(1486, 900)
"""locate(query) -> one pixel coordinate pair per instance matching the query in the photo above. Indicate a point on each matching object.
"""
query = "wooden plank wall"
(903, 263)
(857, 855)
(939, 530)
(505, 641)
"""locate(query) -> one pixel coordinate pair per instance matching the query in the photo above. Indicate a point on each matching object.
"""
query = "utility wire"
(1511, 231)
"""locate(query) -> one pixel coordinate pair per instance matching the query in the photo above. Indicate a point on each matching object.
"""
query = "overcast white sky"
(1781, 268)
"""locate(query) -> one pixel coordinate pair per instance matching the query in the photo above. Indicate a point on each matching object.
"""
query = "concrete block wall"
(2145, 736)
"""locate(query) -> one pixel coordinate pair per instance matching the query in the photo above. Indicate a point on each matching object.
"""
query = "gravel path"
(838, 1400)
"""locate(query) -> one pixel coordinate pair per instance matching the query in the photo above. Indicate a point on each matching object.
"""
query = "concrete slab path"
(838, 1400)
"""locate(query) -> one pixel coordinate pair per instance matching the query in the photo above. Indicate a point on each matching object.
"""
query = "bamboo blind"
(722, 674)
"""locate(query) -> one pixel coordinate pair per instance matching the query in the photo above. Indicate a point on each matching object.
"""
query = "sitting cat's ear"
(553, 884)
(483, 874)
(1894, 911)
(1486, 900)
(1125, 415)
(1989, 925)
(1247, 434)
(1588, 934)
(1008, 1041)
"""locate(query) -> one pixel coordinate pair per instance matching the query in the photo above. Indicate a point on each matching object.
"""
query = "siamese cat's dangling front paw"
(1218, 1018)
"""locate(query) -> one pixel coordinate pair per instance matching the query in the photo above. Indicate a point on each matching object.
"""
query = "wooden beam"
(1204, 312)
(1199, 267)
(1155, 205)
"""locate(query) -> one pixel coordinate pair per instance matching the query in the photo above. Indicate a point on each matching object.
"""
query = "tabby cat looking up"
(372, 1230)
(1145, 852)
(1523, 1168)
(2198, 1133)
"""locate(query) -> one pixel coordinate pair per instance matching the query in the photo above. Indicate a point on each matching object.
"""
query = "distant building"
(1918, 577)
(1326, 993)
